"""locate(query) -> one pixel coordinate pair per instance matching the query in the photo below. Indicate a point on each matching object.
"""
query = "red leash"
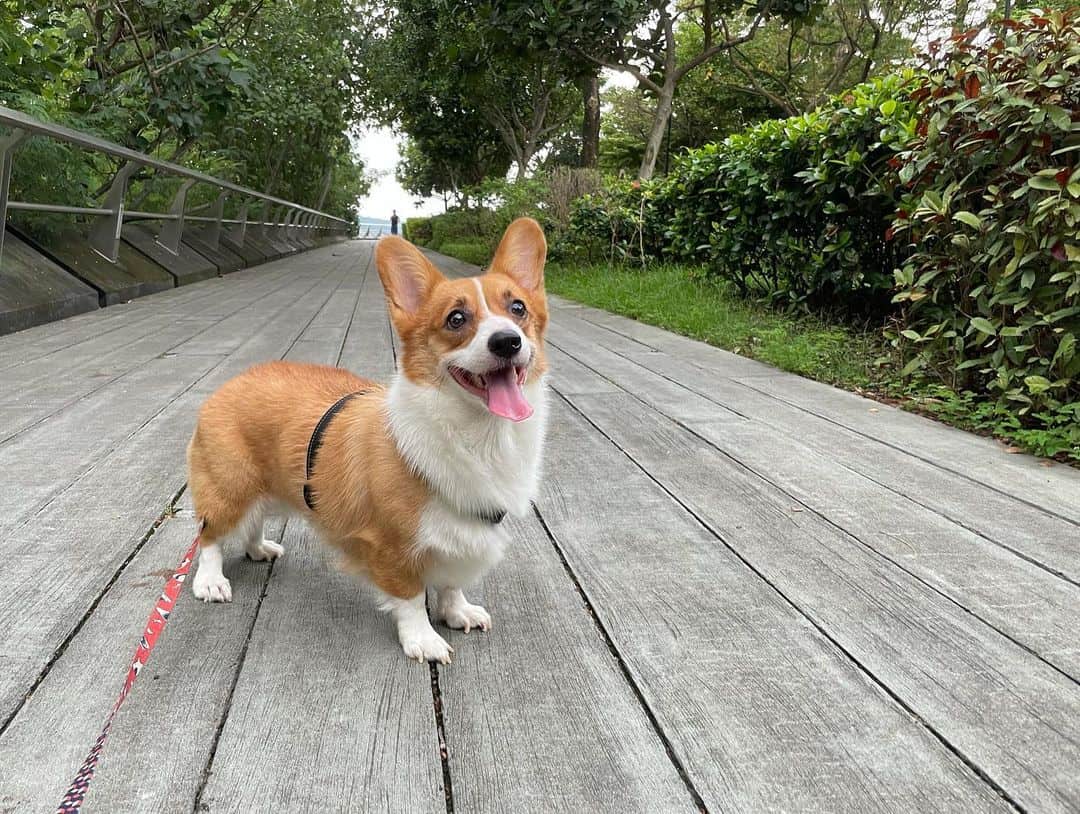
(73, 800)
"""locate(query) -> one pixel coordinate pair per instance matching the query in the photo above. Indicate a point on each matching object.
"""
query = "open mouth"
(500, 388)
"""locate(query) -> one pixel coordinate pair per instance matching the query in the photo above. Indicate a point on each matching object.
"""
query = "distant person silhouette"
(393, 222)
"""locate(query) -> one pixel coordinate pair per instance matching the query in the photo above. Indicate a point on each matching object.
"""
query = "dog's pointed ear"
(521, 254)
(407, 276)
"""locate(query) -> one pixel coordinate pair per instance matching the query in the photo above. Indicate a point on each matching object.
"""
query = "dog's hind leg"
(257, 546)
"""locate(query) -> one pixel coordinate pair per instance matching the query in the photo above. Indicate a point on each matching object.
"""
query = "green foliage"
(620, 221)
(690, 302)
(418, 231)
(177, 79)
(479, 254)
(795, 209)
(549, 197)
(682, 299)
(464, 226)
(990, 295)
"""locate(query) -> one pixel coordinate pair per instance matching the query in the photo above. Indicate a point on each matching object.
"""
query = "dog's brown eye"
(456, 319)
(517, 308)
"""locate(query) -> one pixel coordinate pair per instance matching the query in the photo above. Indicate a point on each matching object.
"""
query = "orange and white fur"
(407, 477)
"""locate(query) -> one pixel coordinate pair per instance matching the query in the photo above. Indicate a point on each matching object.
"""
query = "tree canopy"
(262, 92)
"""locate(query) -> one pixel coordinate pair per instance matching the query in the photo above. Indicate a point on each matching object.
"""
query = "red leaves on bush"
(972, 86)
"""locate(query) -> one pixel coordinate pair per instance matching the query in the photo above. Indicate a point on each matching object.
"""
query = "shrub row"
(991, 207)
(796, 209)
(549, 196)
(946, 202)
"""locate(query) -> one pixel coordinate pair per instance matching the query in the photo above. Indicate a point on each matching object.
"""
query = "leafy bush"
(418, 231)
(476, 253)
(548, 197)
(620, 221)
(991, 294)
(463, 225)
(796, 209)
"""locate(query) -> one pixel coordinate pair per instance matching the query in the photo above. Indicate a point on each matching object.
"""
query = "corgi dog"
(410, 482)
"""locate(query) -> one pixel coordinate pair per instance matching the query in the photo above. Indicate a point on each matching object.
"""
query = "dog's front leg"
(458, 613)
(418, 638)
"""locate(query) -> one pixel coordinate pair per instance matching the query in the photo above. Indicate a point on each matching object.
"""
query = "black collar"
(493, 517)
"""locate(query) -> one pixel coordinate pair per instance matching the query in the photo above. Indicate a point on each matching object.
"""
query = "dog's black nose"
(504, 343)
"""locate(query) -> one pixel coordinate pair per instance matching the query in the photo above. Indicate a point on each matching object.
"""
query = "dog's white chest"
(459, 549)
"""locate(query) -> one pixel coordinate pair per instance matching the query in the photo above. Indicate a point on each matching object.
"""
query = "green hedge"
(945, 203)
(418, 231)
(796, 209)
(479, 254)
(464, 226)
(992, 209)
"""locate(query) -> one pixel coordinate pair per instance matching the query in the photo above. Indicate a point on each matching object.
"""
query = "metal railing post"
(260, 224)
(7, 160)
(239, 231)
(105, 233)
(217, 212)
(173, 232)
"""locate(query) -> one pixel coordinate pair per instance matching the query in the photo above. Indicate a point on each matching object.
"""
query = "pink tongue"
(504, 396)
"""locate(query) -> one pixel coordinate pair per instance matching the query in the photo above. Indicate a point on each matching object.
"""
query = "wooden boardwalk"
(741, 590)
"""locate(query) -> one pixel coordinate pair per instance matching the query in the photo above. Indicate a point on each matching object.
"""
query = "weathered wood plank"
(136, 750)
(763, 711)
(1013, 715)
(368, 347)
(45, 459)
(326, 713)
(981, 460)
(1031, 533)
(116, 345)
(46, 588)
(160, 740)
(986, 579)
(52, 337)
(538, 715)
(1026, 603)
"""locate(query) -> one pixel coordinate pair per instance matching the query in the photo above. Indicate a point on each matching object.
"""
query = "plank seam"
(132, 370)
(444, 746)
(775, 397)
(852, 536)
(949, 746)
(927, 461)
(169, 511)
(893, 490)
(112, 450)
(127, 561)
(208, 767)
(352, 312)
(676, 761)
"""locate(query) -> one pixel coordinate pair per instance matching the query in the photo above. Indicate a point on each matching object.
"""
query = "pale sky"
(380, 149)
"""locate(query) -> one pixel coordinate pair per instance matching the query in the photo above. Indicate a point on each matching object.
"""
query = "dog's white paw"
(211, 587)
(264, 550)
(426, 645)
(465, 616)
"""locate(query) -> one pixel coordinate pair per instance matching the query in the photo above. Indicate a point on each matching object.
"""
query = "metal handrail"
(104, 237)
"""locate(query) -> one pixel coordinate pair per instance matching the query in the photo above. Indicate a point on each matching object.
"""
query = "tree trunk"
(590, 122)
(655, 141)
